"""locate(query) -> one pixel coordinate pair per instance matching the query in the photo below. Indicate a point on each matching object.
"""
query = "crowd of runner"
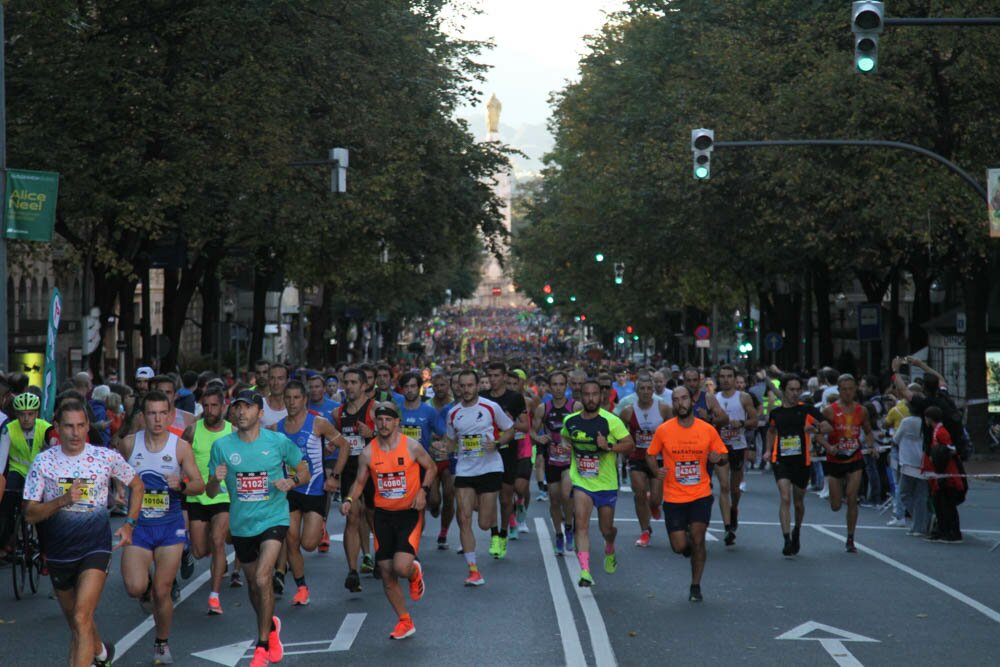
(199, 462)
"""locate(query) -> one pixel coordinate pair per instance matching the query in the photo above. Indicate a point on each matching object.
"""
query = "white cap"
(144, 373)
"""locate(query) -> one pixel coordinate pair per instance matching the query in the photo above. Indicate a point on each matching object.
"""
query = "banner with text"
(30, 213)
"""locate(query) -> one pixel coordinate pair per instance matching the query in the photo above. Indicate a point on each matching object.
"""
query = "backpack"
(953, 422)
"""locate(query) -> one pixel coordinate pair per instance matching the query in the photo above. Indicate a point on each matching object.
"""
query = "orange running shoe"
(403, 629)
(417, 583)
(275, 650)
(475, 579)
(643, 540)
(260, 658)
(214, 607)
(324, 544)
(655, 511)
(301, 598)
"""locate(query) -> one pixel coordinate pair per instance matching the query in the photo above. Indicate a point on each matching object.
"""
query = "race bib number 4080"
(252, 487)
(392, 485)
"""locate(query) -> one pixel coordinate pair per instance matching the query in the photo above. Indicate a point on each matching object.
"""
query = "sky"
(538, 44)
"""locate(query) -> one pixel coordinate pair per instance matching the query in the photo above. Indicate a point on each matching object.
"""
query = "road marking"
(825, 525)
(231, 654)
(604, 655)
(572, 648)
(991, 614)
(832, 645)
(138, 632)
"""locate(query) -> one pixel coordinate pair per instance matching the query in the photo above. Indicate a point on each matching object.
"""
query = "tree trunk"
(976, 291)
(821, 292)
(211, 341)
(126, 325)
(260, 280)
(319, 323)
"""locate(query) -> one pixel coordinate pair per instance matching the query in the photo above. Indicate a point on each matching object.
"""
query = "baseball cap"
(675, 369)
(250, 397)
(144, 373)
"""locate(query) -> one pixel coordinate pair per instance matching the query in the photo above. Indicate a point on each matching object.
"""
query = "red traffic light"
(583, 318)
(628, 329)
(547, 289)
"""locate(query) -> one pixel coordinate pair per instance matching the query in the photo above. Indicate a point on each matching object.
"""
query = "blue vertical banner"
(50, 383)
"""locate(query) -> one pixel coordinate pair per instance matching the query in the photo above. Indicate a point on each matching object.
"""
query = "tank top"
(272, 416)
(558, 453)
(311, 446)
(642, 425)
(396, 475)
(735, 438)
(846, 435)
(347, 424)
(702, 403)
(160, 504)
(201, 445)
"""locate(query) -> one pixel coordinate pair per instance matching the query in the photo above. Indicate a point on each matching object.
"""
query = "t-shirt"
(420, 423)
(512, 402)
(591, 468)
(685, 458)
(897, 414)
(792, 443)
(623, 390)
(81, 529)
(252, 468)
(201, 445)
(473, 428)
(325, 408)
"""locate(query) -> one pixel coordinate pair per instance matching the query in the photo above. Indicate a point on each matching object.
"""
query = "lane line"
(989, 613)
(825, 525)
(572, 648)
(347, 633)
(604, 655)
(138, 632)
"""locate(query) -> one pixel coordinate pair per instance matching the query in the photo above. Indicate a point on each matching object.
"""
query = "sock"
(568, 527)
(213, 595)
(263, 643)
(443, 532)
(404, 617)
(647, 530)
(787, 536)
(584, 558)
(159, 641)
(494, 531)
(542, 486)
(280, 573)
(609, 548)
(103, 655)
(300, 581)
(728, 527)
(850, 536)
(470, 558)
(503, 533)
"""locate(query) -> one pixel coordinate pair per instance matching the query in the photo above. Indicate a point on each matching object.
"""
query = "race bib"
(155, 503)
(252, 487)
(559, 454)
(587, 465)
(790, 445)
(687, 473)
(643, 439)
(413, 431)
(728, 433)
(87, 502)
(392, 485)
(472, 446)
(357, 444)
(847, 446)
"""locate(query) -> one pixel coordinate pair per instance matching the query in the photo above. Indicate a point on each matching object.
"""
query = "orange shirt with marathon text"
(685, 458)
(395, 474)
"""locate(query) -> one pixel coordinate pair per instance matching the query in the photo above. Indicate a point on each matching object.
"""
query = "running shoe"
(353, 582)
(442, 543)
(655, 511)
(694, 595)
(259, 657)
(524, 528)
(187, 564)
(301, 598)
(146, 599)
(570, 544)
(175, 592)
(896, 523)
(110, 650)
(643, 540)
(495, 546)
(503, 548)
(788, 549)
(324, 544)
(522, 514)
(278, 583)
(512, 530)
(743, 487)
(610, 563)
(367, 564)
(417, 583)
(543, 496)
(403, 630)
(214, 607)
(851, 549)
(161, 654)
(586, 581)
(795, 541)
(730, 538)
(235, 581)
(275, 649)
(560, 545)
(474, 579)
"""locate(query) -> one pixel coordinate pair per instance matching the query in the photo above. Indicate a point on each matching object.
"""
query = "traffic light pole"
(899, 145)
(929, 21)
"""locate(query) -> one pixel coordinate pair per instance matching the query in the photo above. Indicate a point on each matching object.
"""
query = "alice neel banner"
(30, 212)
(49, 388)
(993, 188)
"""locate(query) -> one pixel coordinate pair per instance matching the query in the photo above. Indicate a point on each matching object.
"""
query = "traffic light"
(547, 288)
(620, 339)
(702, 141)
(619, 273)
(867, 22)
(628, 329)
(599, 257)
(635, 337)
(550, 299)
(572, 299)
(583, 318)
(746, 347)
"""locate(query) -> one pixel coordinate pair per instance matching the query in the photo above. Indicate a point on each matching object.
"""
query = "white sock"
(213, 596)
(103, 655)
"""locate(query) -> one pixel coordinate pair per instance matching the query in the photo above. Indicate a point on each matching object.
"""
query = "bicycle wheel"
(32, 556)
(19, 568)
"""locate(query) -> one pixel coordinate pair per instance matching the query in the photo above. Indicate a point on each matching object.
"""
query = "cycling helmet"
(26, 401)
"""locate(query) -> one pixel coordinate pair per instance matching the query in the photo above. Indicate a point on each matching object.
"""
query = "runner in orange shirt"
(687, 444)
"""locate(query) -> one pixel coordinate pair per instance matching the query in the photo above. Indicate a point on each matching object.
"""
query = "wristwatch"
(426, 489)
(130, 521)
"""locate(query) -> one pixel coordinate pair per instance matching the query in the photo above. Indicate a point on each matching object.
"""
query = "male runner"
(707, 408)
(513, 404)
(274, 404)
(323, 405)
(844, 461)
(356, 420)
(687, 445)
(643, 417)
(442, 498)
(208, 518)
(252, 463)
(524, 448)
(475, 427)
(791, 426)
(169, 471)
(383, 383)
(739, 408)
(596, 437)
(66, 495)
(550, 416)
(396, 462)
(307, 503)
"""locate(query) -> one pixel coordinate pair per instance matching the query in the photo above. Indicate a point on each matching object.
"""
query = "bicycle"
(26, 564)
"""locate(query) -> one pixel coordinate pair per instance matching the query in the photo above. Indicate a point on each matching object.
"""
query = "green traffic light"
(550, 299)
(599, 257)
(621, 340)
(635, 336)
(701, 172)
(619, 280)
(866, 64)
(572, 298)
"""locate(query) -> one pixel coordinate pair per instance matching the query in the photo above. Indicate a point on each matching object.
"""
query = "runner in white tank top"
(739, 408)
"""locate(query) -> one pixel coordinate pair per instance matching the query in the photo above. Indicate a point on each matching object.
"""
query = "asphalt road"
(899, 601)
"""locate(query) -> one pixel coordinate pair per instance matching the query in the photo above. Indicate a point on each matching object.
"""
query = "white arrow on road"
(231, 654)
(832, 645)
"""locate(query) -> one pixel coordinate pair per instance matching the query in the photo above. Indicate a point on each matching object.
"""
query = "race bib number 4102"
(252, 487)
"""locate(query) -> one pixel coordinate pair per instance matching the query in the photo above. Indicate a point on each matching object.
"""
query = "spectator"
(947, 492)
(913, 488)
(98, 403)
